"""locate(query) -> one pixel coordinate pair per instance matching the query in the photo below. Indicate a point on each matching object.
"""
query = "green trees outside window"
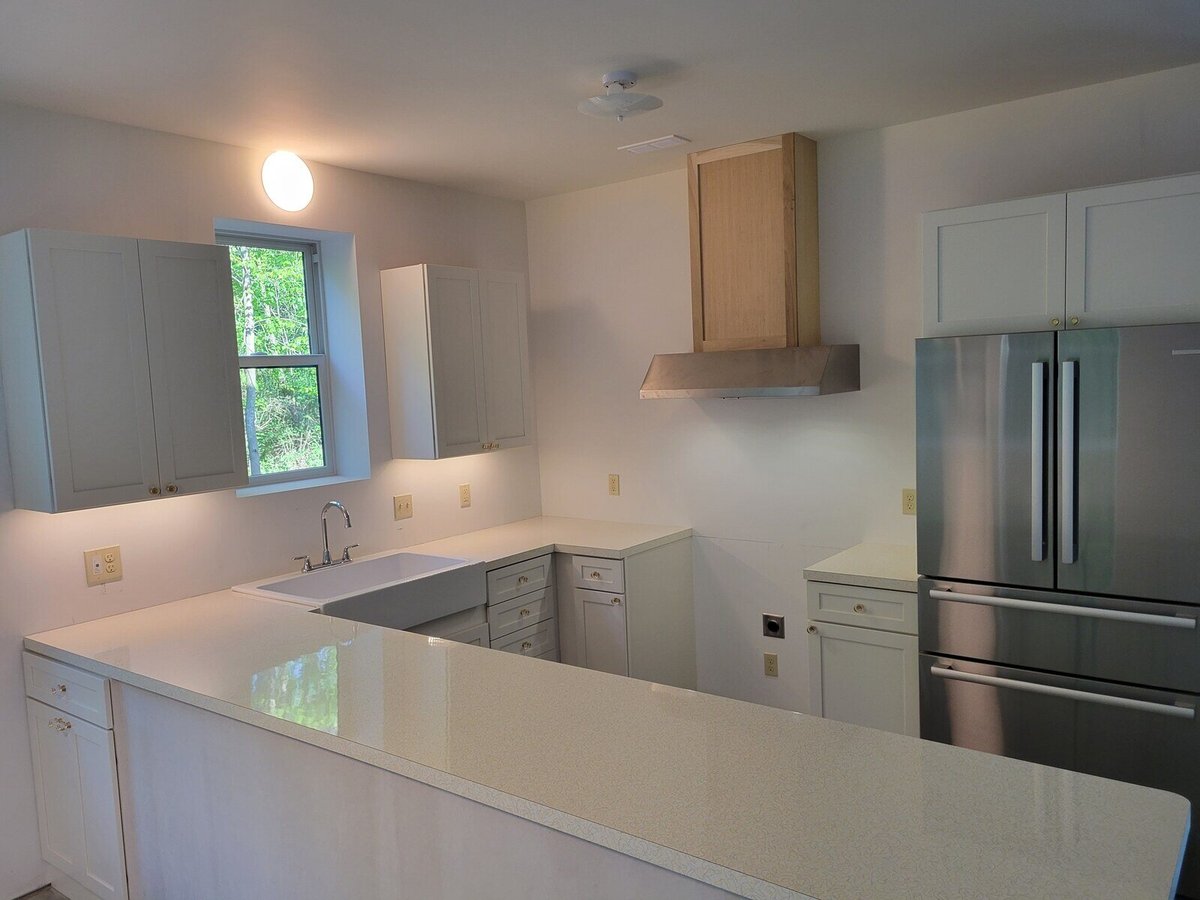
(282, 356)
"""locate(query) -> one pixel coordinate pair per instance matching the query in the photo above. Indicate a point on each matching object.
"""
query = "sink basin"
(396, 590)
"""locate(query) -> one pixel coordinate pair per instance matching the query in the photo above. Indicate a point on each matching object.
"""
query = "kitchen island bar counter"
(754, 800)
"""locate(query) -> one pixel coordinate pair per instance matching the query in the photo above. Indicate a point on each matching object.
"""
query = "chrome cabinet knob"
(526, 645)
(524, 579)
(595, 576)
(525, 612)
(172, 489)
(616, 601)
(812, 629)
(60, 724)
(859, 608)
(58, 689)
(1056, 321)
(1074, 320)
(155, 490)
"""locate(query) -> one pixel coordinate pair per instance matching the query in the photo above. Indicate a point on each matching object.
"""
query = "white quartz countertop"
(756, 800)
(890, 567)
(547, 534)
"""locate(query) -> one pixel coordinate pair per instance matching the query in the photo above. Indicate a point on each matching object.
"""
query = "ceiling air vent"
(662, 143)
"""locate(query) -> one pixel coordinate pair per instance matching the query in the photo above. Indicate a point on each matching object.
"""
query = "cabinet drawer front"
(518, 579)
(537, 640)
(867, 607)
(69, 689)
(599, 574)
(521, 612)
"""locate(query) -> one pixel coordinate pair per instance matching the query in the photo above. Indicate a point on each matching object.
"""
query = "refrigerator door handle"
(1067, 549)
(1037, 471)
(1163, 709)
(1087, 612)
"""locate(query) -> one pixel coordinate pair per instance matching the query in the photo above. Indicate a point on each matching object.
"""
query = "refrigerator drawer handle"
(1162, 709)
(1116, 615)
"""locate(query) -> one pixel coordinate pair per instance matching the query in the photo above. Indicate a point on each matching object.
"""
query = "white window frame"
(317, 357)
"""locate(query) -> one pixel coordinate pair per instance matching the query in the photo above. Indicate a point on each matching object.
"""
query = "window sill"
(279, 487)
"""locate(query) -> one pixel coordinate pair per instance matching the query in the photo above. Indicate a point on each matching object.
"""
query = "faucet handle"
(346, 553)
(307, 563)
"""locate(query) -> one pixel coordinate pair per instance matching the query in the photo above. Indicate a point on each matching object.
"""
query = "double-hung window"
(280, 318)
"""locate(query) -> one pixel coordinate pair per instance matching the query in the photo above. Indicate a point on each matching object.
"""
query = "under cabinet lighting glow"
(287, 181)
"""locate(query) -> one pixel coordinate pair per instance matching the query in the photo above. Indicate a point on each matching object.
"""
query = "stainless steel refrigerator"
(1058, 538)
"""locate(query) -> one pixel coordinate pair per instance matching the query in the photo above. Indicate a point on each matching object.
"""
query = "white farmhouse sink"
(397, 590)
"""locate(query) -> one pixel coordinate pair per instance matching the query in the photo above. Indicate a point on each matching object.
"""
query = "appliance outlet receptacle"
(614, 485)
(908, 501)
(771, 665)
(402, 507)
(772, 625)
(102, 565)
(464, 495)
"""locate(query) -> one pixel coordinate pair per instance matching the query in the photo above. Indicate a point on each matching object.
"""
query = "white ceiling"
(481, 94)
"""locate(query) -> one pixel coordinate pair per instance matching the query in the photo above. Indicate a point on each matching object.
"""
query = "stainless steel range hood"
(781, 372)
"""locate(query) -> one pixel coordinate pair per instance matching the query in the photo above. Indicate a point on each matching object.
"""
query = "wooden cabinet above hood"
(753, 209)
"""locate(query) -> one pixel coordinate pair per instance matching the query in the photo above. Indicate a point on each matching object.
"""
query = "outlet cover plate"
(464, 495)
(614, 485)
(908, 501)
(102, 565)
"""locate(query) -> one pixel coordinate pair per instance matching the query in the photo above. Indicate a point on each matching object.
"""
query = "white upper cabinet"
(1133, 253)
(995, 268)
(1127, 254)
(457, 360)
(119, 366)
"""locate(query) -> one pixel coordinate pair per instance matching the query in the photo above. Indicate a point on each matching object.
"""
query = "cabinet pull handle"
(524, 579)
(616, 601)
(1056, 321)
(1074, 320)
(526, 645)
(812, 629)
(524, 612)
(595, 576)
(58, 689)
(859, 608)
(59, 724)
(154, 490)
(172, 489)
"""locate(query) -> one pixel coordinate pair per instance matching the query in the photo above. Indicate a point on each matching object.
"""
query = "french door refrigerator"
(1058, 538)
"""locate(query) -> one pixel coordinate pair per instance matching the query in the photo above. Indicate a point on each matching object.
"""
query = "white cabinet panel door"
(1133, 253)
(864, 676)
(601, 637)
(995, 268)
(505, 357)
(193, 363)
(455, 342)
(91, 334)
(79, 812)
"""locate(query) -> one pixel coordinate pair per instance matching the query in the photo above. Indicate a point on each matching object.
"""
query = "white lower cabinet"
(521, 612)
(75, 778)
(601, 631)
(863, 675)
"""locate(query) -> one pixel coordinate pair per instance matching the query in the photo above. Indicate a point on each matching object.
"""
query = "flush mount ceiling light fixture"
(618, 101)
(287, 181)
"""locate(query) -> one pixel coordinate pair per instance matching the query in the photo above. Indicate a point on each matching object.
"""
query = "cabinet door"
(995, 268)
(455, 344)
(864, 676)
(194, 366)
(1133, 253)
(79, 813)
(91, 333)
(601, 635)
(503, 317)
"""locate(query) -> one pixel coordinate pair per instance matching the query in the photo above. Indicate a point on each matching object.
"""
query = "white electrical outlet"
(402, 507)
(102, 565)
(464, 495)
(908, 501)
(771, 665)
(614, 485)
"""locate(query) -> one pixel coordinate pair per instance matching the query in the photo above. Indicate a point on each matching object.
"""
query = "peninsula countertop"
(758, 801)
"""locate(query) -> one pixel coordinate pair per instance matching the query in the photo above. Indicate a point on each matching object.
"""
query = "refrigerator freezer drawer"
(1132, 641)
(1128, 733)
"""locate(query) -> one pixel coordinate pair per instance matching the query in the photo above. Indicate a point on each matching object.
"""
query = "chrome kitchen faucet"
(326, 558)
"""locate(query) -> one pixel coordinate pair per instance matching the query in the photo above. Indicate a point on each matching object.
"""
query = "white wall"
(775, 484)
(74, 173)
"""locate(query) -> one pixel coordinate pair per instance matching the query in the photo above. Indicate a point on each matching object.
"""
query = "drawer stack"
(521, 608)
